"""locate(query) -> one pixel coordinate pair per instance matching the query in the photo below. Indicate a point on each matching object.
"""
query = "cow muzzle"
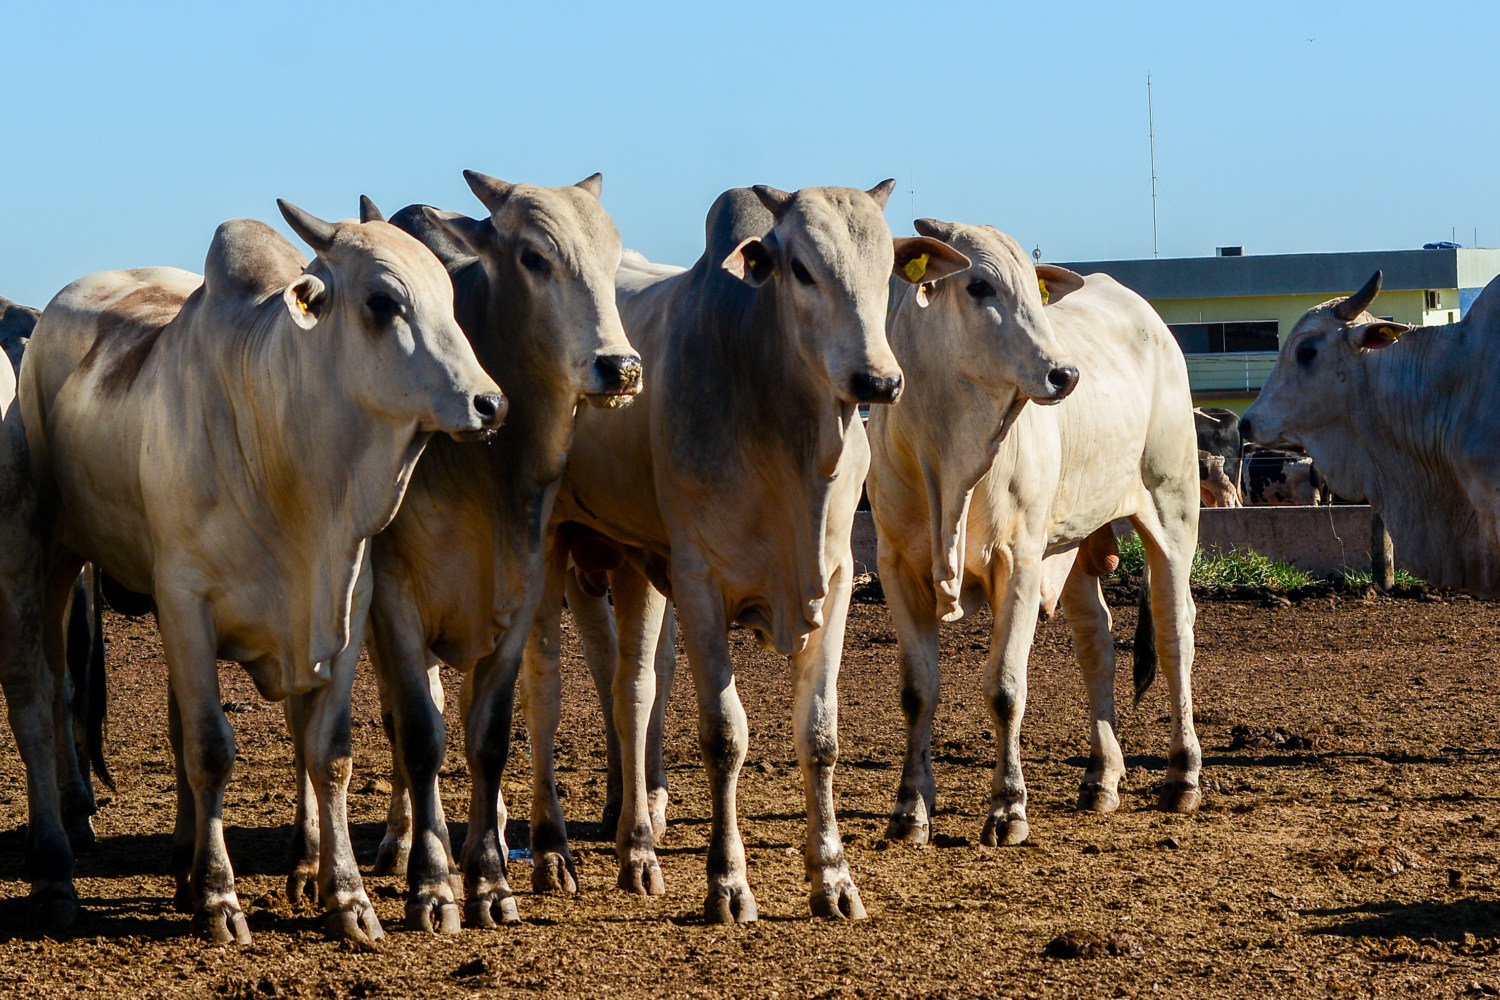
(490, 408)
(868, 388)
(616, 378)
(1059, 385)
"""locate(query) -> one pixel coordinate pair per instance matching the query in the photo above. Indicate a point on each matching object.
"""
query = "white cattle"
(460, 570)
(227, 444)
(731, 487)
(993, 471)
(1403, 418)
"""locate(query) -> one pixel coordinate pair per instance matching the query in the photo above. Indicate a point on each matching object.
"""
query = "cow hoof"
(641, 876)
(1095, 797)
(1179, 798)
(839, 900)
(730, 905)
(554, 872)
(491, 911)
(52, 909)
(609, 823)
(909, 827)
(1004, 831)
(392, 857)
(302, 888)
(433, 914)
(222, 923)
(357, 924)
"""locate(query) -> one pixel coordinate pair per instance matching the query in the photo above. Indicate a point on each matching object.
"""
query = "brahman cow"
(16, 323)
(227, 444)
(1403, 418)
(730, 487)
(460, 570)
(1001, 461)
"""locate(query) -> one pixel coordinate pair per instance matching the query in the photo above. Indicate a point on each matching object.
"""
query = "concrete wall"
(1322, 541)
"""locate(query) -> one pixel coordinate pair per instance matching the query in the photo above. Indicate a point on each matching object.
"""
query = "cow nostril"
(869, 388)
(618, 369)
(1062, 380)
(491, 407)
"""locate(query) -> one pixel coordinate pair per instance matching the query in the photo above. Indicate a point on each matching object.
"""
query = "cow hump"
(249, 260)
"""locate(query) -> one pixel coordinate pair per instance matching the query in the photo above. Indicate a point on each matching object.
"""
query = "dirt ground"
(1348, 846)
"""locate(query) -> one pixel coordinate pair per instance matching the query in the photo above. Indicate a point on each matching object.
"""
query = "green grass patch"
(1233, 569)
(1364, 578)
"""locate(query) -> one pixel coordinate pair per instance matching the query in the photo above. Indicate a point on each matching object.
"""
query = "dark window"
(1220, 338)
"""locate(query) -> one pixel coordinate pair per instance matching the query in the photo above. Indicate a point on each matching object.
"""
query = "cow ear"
(491, 191)
(305, 300)
(923, 260)
(1054, 282)
(471, 235)
(1374, 336)
(593, 184)
(314, 231)
(368, 212)
(753, 261)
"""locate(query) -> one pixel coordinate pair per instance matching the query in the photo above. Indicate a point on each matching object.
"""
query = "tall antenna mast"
(911, 173)
(1151, 133)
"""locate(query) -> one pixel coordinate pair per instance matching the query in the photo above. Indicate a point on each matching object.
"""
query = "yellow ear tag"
(302, 305)
(1046, 295)
(915, 268)
(1393, 333)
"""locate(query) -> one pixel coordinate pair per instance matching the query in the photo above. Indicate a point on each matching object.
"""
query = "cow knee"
(820, 749)
(211, 761)
(423, 745)
(1006, 703)
(723, 747)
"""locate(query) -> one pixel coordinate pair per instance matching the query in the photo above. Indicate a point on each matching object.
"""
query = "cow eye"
(801, 272)
(980, 289)
(1305, 355)
(381, 305)
(535, 262)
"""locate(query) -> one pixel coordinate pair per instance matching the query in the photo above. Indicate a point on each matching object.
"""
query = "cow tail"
(1145, 639)
(98, 690)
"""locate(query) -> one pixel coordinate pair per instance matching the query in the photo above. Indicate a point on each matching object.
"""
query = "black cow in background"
(1219, 434)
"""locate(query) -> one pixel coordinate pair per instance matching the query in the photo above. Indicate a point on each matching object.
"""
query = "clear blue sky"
(130, 133)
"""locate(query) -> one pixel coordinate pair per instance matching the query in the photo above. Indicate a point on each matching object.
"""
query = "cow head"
(999, 307)
(828, 257)
(389, 303)
(552, 254)
(1328, 350)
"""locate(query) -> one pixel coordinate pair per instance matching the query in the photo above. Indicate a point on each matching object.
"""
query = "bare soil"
(1349, 843)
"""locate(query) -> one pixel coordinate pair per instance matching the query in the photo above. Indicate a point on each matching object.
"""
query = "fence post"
(1382, 554)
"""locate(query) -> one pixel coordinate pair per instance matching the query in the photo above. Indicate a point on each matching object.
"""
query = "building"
(1230, 311)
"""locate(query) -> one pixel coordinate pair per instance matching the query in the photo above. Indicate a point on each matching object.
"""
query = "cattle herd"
(441, 430)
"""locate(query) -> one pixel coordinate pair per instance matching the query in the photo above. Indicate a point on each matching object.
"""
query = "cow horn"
(314, 231)
(1357, 303)
(593, 184)
(368, 211)
(491, 191)
(775, 199)
(882, 192)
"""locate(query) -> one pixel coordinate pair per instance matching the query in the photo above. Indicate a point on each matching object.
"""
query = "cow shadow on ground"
(1460, 921)
(1227, 759)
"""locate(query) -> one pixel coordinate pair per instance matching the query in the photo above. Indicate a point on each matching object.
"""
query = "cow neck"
(1404, 452)
(949, 425)
(312, 515)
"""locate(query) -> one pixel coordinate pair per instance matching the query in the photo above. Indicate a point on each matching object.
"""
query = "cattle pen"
(1348, 843)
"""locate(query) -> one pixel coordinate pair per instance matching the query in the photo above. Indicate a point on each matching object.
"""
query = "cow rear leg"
(596, 629)
(1169, 541)
(640, 608)
(912, 601)
(541, 682)
(184, 828)
(657, 797)
(1005, 692)
(393, 857)
(490, 694)
(815, 725)
(1088, 616)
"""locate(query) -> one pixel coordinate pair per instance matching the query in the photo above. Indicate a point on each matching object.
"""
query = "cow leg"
(184, 829)
(1169, 543)
(188, 642)
(490, 696)
(815, 726)
(912, 601)
(78, 806)
(656, 765)
(1088, 616)
(1005, 692)
(552, 868)
(302, 880)
(416, 836)
(722, 738)
(25, 679)
(639, 608)
(596, 627)
(330, 763)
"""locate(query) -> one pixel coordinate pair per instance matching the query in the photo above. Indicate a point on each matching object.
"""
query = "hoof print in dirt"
(1391, 859)
(1093, 944)
(1245, 738)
